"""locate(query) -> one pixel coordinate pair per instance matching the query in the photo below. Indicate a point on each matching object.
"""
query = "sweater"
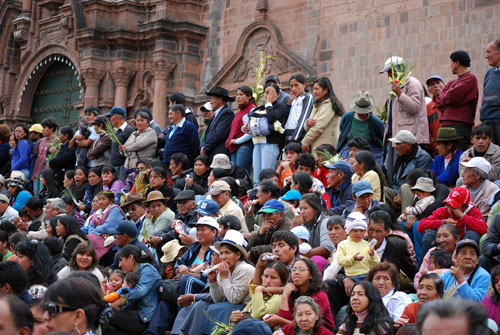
(493, 310)
(410, 312)
(322, 300)
(234, 289)
(21, 156)
(458, 100)
(345, 257)
(260, 304)
(162, 222)
(375, 127)
(490, 107)
(140, 145)
(236, 126)
(374, 180)
(449, 175)
(476, 290)
(288, 330)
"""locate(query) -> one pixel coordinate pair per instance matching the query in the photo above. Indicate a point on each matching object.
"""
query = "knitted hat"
(355, 220)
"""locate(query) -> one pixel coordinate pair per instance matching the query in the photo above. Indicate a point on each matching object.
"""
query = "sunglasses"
(53, 309)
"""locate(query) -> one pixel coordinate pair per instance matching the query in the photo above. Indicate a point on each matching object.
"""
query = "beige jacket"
(326, 129)
(409, 111)
(140, 146)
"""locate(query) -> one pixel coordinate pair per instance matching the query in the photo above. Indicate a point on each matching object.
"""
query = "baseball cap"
(404, 136)
(292, 195)
(117, 110)
(208, 221)
(272, 77)
(125, 227)
(3, 198)
(207, 207)
(343, 166)
(467, 242)
(301, 232)
(458, 197)
(221, 161)
(37, 128)
(185, 195)
(207, 106)
(434, 77)
(478, 162)
(362, 187)
(396, 60)
(272, 206)
(218, 187)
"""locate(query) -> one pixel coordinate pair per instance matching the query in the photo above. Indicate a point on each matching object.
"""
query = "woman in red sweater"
(240, 146)
(306, 319)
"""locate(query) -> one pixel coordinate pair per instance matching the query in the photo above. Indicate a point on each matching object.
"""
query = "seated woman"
(94, 186)
(365, 168)
(229, 284)
(366, 313)
(306, 319)
(265, 298)
(446, 163)
(385, 276)
(71, 235)
(79, 185)
(158, 182)
(198, 181)
(492, 301)
(306, 280)
(83, 258)
(76, 298)
(132, 315)
(158, 216)
(110, 181)
(72, 211)
(103, 221)
(50, 186)
(429, 288)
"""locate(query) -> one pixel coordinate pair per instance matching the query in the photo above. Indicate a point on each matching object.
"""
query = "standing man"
(179, 99)
(435, 85)
(181, 137)
(117, 115)
(218, 130)
(490, 108)
(458, 100)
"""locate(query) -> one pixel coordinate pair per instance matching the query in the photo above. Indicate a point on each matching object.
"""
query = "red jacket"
(473, 220)
(236, 127)
(288, 330)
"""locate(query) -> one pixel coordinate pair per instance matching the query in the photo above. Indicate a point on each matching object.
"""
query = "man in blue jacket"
(218, 130)
(182, 135)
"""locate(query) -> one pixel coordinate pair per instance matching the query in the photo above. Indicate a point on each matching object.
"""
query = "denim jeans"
(264, 157)
(36, 187)
(243, 156)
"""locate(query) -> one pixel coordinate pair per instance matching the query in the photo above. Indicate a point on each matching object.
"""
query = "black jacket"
(64, 160)
(217, 133)
(397, 253)
(116, 157)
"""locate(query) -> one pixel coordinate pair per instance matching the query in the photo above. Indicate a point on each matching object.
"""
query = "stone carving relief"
(122, 75)
(260, 40)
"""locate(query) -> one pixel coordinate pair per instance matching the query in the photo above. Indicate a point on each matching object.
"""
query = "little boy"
(355, 254)
(423, 190)
(303, 235)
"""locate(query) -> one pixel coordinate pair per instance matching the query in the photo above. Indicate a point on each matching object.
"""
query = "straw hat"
(155, 196)
(171, 250)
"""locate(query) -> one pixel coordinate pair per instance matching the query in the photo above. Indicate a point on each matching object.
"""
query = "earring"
(76, 331)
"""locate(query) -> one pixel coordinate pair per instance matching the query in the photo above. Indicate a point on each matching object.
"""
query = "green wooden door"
(58, 89)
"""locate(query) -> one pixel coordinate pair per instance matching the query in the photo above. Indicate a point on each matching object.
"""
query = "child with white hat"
(424, 190)
(303, 235)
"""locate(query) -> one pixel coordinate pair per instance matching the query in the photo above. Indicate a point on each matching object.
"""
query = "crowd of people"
(295, 215)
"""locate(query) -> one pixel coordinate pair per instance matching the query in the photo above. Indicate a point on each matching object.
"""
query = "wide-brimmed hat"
(221, 161)
(446, 134)
(363, 102)
(424, 184)
(220, 92)
(154, 196)
(170, 250)
(234, 238)
(131, 198)
(37, 128)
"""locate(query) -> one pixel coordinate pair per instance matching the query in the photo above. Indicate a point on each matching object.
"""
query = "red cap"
(458, 197)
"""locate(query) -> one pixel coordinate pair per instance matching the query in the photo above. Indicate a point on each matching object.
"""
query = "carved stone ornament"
(92, 76)
(122, 75)
(21, 29)
(162, 69)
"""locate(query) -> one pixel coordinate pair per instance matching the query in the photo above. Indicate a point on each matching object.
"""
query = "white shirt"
(9, 214)
(381, 249)
(395, 303)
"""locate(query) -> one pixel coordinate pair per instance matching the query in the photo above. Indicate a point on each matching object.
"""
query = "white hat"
(171, 250)
(404, 136)
(208, 221)
(236, 239)
(207, 106)
(478, 162)
(396, 60)
(301, 232)
(355, 220)
(3, 198)
(221, 161)
(424, 184)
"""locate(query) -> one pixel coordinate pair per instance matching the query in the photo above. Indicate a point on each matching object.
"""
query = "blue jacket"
(184, 140)
(217, 133)
(20, 200)
(342, 198)
(490, 105)
(190, 255)
(447, 177)
(376, 129)
(21, 156)
(145, 292)
(422, 160)
(476, 290)
(114, 217)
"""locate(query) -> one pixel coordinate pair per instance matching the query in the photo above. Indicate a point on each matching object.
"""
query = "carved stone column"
(92, 78)
(121, 76)
(161, 70)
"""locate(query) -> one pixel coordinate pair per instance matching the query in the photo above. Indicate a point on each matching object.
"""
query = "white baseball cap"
(478, 162)
(404, 136)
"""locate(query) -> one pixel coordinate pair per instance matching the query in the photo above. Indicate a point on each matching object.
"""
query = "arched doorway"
(57, 91)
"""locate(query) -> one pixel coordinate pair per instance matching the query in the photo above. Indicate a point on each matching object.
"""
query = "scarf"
(402, 161)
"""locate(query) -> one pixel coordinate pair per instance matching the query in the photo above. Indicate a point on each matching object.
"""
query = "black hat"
(272, 77)
(220, 92)
(184, 195)
(462, 57)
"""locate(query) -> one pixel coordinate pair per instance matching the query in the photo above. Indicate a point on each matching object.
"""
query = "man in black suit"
(218, 130)
(391, 249)
(118, 117)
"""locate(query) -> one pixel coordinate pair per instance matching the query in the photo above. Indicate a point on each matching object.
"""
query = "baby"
(440, 261)
(303, 235)
(129, 281)
(424, 192)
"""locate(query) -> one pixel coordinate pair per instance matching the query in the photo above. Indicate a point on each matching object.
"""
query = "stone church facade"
(59, 56)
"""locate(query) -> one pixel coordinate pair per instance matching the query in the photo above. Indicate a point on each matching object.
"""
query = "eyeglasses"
(299, 269)
(53, 309)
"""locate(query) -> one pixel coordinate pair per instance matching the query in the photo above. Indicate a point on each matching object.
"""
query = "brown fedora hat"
(155, 196)
(133, 197)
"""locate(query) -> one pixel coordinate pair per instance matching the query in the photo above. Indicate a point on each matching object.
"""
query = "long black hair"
(313, 200)
(304, 181)
(40, 271)
(368, 159)
(247, 90)
(495, 297)
(51, 183)
(316, 284)
(71, 226)
(140, 256)
(377, 320)
(337, 106)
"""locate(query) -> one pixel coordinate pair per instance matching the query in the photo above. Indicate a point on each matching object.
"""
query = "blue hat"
(272, 206)
(362, 187)
(343, 166)
(207, 207)
(252, 327)
(117, 110)
(434, 77)
(301, 232)
(125, 227)
(292, 195)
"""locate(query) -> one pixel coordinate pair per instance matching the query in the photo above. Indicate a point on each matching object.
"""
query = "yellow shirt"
(371, 177)
(345, 257)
